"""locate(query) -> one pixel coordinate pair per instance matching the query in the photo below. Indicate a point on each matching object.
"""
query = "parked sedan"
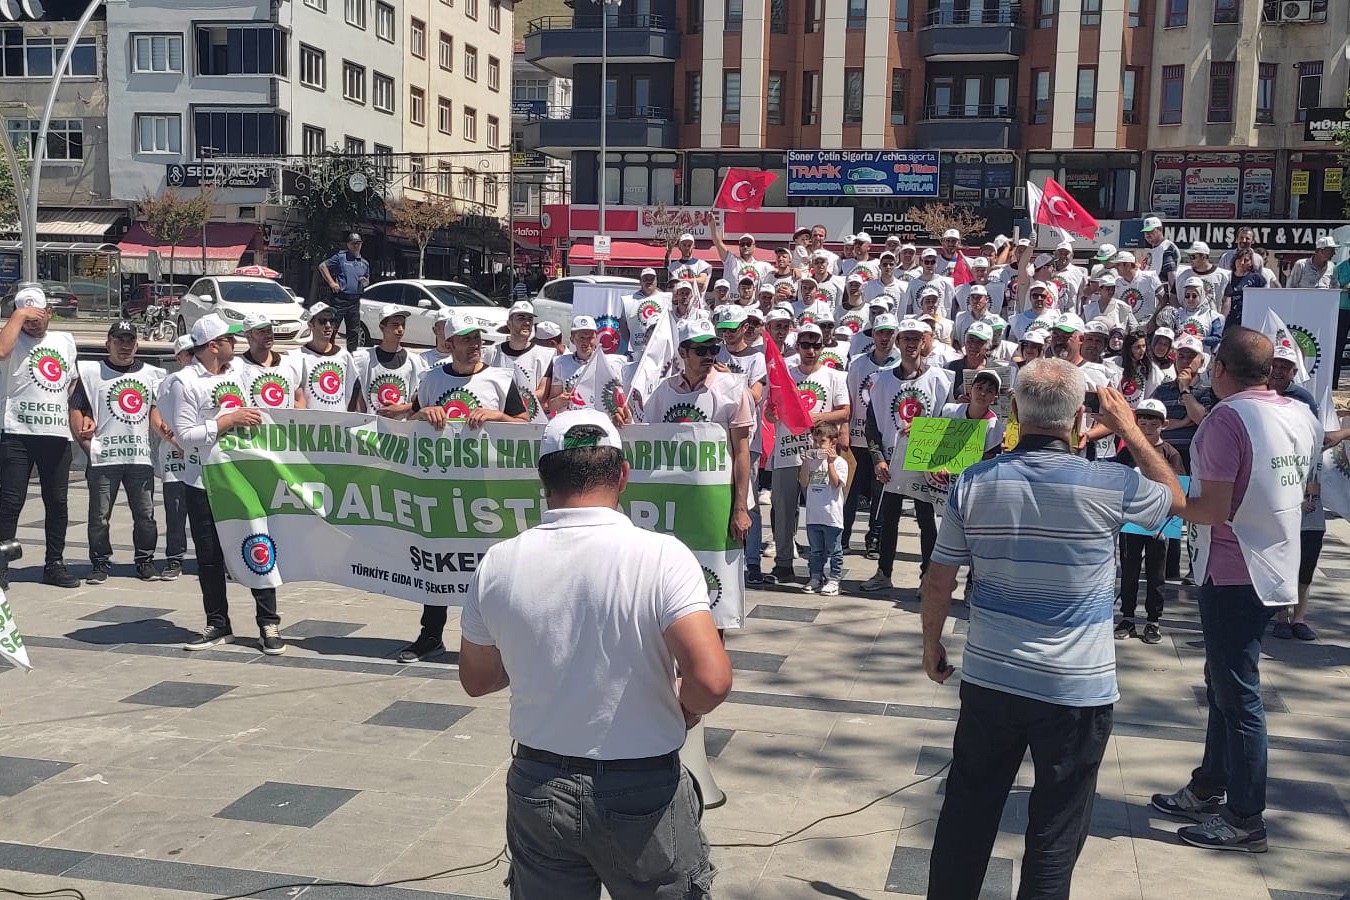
(554, 301)
(61, 300)
(235, 296)
(424, 299)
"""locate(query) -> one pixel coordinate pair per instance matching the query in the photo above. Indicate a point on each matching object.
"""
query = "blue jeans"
(1233, 620)
(754, 540)
(825, 541)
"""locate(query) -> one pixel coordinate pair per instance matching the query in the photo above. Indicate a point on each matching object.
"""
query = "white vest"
(327, 379)
(459, 395)
(37, 380)
(1284, 440)
(383, 385)
(896, 400)
(271, 387)
(121, 404)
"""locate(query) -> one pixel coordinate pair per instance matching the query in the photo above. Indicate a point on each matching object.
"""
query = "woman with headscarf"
(1198, 317)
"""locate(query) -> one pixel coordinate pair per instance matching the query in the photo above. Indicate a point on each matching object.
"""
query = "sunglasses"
(747, 243)
(809, 345)
(705, 350)
(1038, 294)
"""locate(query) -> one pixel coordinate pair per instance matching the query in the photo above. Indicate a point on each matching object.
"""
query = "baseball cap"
(996, 323)
(1065, 245)
(927, 252)
(731, 317)
(978, 290)
(951, 233)
(915, 325)
(747, 278)
(1288, 354)
(885, 254)
(685, 237)
(1165, 333)
(121, 328)
(820, 311)
(979, 262)
(1105, 252)
(1152, 223)
(908, 246)
(766, 288)
(583, 323)
(1069, 322)
(753, 312)
(805, 278)
(820, 255)
(574, 429)
(1097, 326)
(1153, 408)
(318, 311)
(1109, 279)
(261, 320)
(1042, 261)
(461, 326)
(696, 329)
(1197, 248)
(182, 344)
(522, 308)
(746, 236)
(389, 310)
(547, 331)
(1325, 242)
(809, 328)
(1000, 241)
(212, 327)
(881, 302)
(684, 286)
(778, 314)
(353, 238)
(1040, 286)
(930, 290)
(988, 375)
(1023, 242)
(648, 271)
(854, 278)
(1123, 256)
(980, 330)
(1192, 282)
(721, 283)
(849, 238)
(30, 297)
(1035, 336)
(884, 322)
(1193, 343)
(862, 237)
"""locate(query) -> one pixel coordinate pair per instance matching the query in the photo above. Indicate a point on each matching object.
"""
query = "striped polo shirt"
(1038, 527)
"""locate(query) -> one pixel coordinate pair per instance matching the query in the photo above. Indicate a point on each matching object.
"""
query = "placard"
(944, 445)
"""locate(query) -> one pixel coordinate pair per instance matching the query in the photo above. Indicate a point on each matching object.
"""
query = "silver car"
(424, 299)
(553, 303)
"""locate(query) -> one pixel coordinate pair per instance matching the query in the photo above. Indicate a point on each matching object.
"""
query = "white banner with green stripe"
(400, 508)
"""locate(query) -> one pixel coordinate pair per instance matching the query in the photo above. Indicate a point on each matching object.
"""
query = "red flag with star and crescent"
(743, 189)
(1060, 210)
(961, 273)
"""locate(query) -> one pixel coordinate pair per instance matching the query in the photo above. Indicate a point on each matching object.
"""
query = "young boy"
(824, 476)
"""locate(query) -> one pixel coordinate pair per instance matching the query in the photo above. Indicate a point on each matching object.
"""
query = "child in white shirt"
(824, 478)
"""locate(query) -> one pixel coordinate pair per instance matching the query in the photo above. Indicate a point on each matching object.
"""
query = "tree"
(1343, 138)
(9, 195)
(170, 219)
(329, 203)
(420, 220)
(936, 218)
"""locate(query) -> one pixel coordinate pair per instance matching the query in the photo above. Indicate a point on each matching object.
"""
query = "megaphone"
(694, 757)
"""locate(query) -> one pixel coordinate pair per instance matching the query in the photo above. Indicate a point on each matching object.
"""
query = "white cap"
(980, 330)
(978, 290)
(951, 233)
(745, 236)
(820, 311)
(908, 246)
(1193, 343)
(1042, 261)
(886, 253)
(1165, 333)
(30, 298)
(1109, 279)
(583, 323)
(257, 320)
(1326, 242)
(766, 288)
(848, 238)
(696, 329)
(927, 252)
(559, 433)
(315, 311)
(979, 262)
(182, 344)
(882, 301)
(1123, 256)
(895, 238)
(209, 328)
(461, 326)
(1192, 282)
(809, 328)
(648, 271)
(1098, 326)
(778, 314)
(685, 237)
(520, 307)
(915, 325)
(1034, 336)
(1000, 241)
(854, 278)
(997, 323)
(805, 278)
(1041, 286)
(684, 286)
(388, 311)
(884, 322)
(731, 316)
(930, 290)
(1152, 223)
(547, 331)
(1105, 252)
(747, 277)
(1065, 245)
(1069, 322)
(753, 312)
(1288, 354)
(721, 283)
(1197, 248)
(1151, 407)
(1023, 242)
(862, 237)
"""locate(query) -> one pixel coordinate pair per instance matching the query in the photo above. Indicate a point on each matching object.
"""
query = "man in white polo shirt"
(596, 794)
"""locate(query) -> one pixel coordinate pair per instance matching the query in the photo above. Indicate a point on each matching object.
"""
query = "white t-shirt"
(1069, 283)
(328, 379)
(196, 397)
(1141, 294)
(897, 290)
(862, 372)
(458, 395)
(1029, 319)
(271, 387)
(824, 501)
(723, 399)
(640, 311)
(945, 300)
(38, 377)
(733, 268)
(590, 671)
(385, 385)
(690, 270)
(528, 369)
(822, 391)
(121, 404)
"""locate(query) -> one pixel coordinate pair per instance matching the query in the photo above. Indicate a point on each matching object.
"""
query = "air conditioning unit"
(1295, 10)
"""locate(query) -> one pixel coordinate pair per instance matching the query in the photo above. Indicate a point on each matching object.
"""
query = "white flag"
(604, 304)
(598, 384)
(1280, 335)
(657, 360)
(11, 642)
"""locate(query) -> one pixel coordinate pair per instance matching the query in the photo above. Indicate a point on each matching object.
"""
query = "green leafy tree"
(9, 195)
(171, 219)
(329, 203)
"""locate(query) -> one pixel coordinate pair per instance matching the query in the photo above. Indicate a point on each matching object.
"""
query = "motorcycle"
(159, 321)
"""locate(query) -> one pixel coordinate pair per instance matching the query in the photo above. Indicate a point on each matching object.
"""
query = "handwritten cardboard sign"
(950, 445)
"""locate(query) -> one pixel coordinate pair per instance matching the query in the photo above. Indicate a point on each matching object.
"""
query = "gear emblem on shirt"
(852, 322)
(1308, 344)
(326, 380)
(909, 404)
(831, 359)
(227, 396)
(1133, 297)
(611, 396)
(1340, 460)
(270, 389)
(1193, 327)
(531, 404)
(714, 586)
(260, 553)
(648, 311)
(684, 413)
(458, 403)
(813, 394)
(49, 369)
(126, 400)
(388, 390)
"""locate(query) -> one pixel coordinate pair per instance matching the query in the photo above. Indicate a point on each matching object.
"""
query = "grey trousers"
(637, 833)
(139, 483)
(786, 496)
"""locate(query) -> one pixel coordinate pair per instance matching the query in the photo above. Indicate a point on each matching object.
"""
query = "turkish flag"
(1059, 209)
(961, 273)
(743, 189)
(786, 401)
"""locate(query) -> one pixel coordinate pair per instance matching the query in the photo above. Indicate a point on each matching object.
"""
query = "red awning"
(225, 244)
(637, 254)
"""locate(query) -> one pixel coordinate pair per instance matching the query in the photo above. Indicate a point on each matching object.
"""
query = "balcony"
(953, 34)
(969, 127)
(558, 43)
(558, 131)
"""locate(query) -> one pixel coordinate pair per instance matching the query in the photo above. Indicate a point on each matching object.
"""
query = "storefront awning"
(633, 254)
(77, 224)
(225, 243)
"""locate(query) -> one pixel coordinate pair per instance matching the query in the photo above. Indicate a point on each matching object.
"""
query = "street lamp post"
(604, 112)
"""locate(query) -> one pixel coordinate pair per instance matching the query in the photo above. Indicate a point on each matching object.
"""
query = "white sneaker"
(811, 586)
(830, 588)
(765, 498)
(878, 582)
(770, 549)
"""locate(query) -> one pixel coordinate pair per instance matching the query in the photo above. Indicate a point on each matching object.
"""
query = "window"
(471, 9)
(857, 14)
(313, 70)
(236, 131)
(902, 15)
(468, 185)
(386, 28)
(1227, 12)
(1221, 91)
(355, 13)
(1045, 13)
(810, 98)
(494, 74)
(1091, 14)
(494, 132)
(778, 17)
(529, 89)
(417, 167)
(471, 63)
(968, 96)
(352, 146)
(417, 106)
(1173, 87)
(898, 96)
(815, 15)
(735, 13)
(417, 38)
(353, 82)
(853, 96)
(384, 160)
(693, 17)
(65, 137)
(33, 56)
(314, 141)
(159, 133)
(1134, 14)
(1265, 93)
(1040, 97)
(1177, 13)
(495, 15)
(491, 197)
(445, 111)
(1085, 107)
(1129, 96)
(1309, 87)
(241, 50)
(773, 98)
(444, 175)
(693, 98)
(320, 5)
(157, 53)
(447, 52)
(382, 93)
(731, 96)
(470, 124)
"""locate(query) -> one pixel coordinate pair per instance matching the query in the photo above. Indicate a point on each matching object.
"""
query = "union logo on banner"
(126, 401)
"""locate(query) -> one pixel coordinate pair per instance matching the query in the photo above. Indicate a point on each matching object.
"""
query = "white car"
(424, 299)
(235, 296)
(554, 300)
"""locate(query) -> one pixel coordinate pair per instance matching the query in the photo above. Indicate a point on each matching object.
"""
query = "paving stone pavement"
(131, 769)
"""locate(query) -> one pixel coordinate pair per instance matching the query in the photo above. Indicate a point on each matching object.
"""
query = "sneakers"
(784, 575)
(211, 636)
(98, 575)
(146, 571)
(811, 586)
(1185, 804)
(172, 569)
(830, 588)
(4, 579)
(770, 549)
(1125, 630)
(878, 582)
(420, 649)
(765, 497)
(1217, 833)
(1303, 632)
(269, 638)
(754, 577)
(57, 574)
(1282, 630)
(1152, 634)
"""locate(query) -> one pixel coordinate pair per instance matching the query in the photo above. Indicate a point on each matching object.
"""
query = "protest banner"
(11, 642)
(402, 509)
(944, 445)
(1310, 315)
(1171, 529)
